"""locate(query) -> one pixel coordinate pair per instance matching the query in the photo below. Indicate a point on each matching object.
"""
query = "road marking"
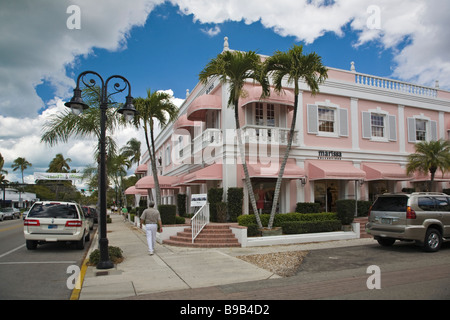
(11, 251)
(11, 228)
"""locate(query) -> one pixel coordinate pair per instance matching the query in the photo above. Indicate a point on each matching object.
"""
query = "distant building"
(15, 198)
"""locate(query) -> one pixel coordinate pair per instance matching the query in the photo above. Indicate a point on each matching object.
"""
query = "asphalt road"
(403, 272)
(40, 274)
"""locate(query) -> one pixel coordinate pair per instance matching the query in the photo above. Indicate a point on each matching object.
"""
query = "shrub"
(307, 207)
(181, 204)
(363, 208)
(221, 210)
(179, 220)
(235, 198)
(168, 213)
(248, 220)
(345, 210)
(296, 227)
(214, 196)
(115, 255)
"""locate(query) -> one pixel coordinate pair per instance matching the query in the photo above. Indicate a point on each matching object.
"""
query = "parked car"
(91, 212)
(423, 217)
(2, 214)
(10, 213)
(52, 221)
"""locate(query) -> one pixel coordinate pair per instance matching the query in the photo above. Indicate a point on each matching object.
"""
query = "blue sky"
(163, 45)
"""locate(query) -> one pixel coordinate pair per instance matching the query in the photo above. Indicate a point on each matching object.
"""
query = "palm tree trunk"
(283, 164)
(244, 165)
(152, 162)
(155, 171)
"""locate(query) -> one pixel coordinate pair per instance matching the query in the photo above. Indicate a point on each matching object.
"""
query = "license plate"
(52, 226)
(386, 220)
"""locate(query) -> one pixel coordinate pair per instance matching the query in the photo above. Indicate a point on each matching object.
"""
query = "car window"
(395, 204)
(442, 204)
(426, 203)
(53, 210)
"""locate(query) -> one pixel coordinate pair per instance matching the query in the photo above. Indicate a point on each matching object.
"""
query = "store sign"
(198, 200)
(329, 155)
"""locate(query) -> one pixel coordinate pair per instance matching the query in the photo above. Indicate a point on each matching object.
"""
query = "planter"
(277, 231)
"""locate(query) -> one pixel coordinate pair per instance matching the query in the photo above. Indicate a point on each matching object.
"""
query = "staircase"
(212, 236)
(362, 227)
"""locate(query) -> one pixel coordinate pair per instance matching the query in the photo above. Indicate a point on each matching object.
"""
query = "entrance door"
(326, 192)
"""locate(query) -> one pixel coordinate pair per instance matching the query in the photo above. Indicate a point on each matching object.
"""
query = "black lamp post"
(77, 105)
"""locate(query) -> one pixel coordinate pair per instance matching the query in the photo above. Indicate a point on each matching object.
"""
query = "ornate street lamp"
(128, 110)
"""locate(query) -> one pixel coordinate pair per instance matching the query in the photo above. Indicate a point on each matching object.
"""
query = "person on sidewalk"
(152, 220)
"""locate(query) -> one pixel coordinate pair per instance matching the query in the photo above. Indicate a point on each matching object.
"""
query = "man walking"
(152, 220)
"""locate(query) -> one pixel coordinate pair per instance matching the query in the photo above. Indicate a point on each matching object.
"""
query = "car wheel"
(31, 244)
(386, 242)
(80, 243)
(433, 240)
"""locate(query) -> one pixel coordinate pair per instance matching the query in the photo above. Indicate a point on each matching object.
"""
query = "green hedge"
(235, 198)
(307, 207)
(181, 204)
(345, 210)
(296, 227)
(168, 213)
(215, 196)
(247, 220)
(293, 222)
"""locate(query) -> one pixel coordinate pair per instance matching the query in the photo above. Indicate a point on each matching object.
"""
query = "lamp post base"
(105, 265)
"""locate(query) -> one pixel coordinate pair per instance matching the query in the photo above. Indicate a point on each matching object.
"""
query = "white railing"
(268, 135)
(199, 221)
(394, 85)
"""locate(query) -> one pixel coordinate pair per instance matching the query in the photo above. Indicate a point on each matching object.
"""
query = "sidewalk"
(174, 268)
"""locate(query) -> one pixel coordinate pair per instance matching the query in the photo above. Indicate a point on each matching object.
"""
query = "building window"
(326, 119)
(421, 130)
(377, 122)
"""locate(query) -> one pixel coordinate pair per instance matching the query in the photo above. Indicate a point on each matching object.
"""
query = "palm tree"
(2, 171)
(234, 68)
(22, 164)
(132, 150)
(156, 106)
(59, 164)
(294, 65)
(429, 157)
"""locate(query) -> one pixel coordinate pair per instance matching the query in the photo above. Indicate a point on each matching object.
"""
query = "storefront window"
(264, 190)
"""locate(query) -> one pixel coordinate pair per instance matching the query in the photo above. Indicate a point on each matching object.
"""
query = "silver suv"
(423, 217)
(51, 221)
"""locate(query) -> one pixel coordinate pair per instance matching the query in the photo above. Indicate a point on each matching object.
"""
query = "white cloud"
(212, 32)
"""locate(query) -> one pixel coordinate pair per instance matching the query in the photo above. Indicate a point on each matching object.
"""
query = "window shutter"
(249, 113)
(392, 128)
(411, 130)
(343, 123)
(366, 125)
(313, 119)
(434, 136)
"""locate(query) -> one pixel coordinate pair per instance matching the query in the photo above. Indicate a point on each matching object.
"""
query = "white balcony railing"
(394, 85)
(208, 137)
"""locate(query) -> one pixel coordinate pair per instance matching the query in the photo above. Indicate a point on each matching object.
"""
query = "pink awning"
(212, 172)
(132, 190)
(286, 97)
(334, 170)
(197, 110)
(271, 170)
(165, 182)
(182, 123)
(385, 171)
(141, 169)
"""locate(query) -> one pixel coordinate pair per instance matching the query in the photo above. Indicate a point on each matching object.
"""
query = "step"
(212, 236)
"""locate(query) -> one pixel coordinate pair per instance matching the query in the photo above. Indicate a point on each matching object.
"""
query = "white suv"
(51, 221)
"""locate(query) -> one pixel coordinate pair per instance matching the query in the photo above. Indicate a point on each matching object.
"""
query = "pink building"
(352, 140)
